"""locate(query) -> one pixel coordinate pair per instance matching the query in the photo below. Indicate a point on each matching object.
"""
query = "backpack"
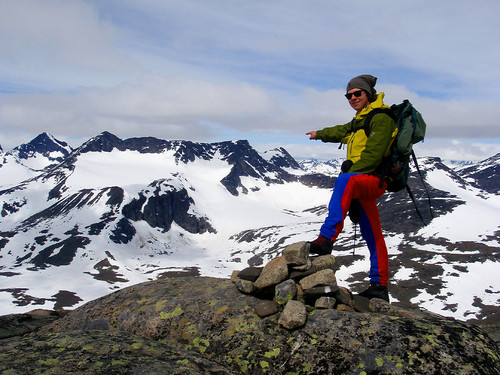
(395, 168)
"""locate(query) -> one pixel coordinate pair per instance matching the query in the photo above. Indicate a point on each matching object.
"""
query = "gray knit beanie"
(365, 82)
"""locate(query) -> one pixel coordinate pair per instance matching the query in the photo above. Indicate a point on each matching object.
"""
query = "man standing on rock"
(359, 185)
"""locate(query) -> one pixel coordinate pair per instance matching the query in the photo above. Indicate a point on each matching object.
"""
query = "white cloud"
(186, 108)
(56, 43)
(57, 31)
(266, 71)
(158, 106)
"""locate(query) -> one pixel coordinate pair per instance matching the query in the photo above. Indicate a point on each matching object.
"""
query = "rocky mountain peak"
(104, 142)
(281, 158)
(45, 145)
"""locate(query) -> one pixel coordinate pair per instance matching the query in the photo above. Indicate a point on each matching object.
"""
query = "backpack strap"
(373, 112)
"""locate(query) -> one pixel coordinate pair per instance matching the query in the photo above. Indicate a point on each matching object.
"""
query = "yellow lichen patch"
(177, 311)
(201, 344)
(432, 339)
(238, 324)
(62, 343)
(307, 367)
(136, 345)
(49, 362)
(186, 329)
(243, 364)
(411, 358)
(272, 353)
(97, 364)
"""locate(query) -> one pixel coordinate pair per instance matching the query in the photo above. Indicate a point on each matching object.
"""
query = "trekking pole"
(423, 183)
(354, 241)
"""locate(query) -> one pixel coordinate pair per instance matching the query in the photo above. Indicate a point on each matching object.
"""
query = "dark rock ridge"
(45, 145)
(484, 175)
(243, 158)
(165, 205)
(205, 325)
(281, 158)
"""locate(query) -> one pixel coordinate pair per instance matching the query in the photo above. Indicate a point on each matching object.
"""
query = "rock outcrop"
(205, 325)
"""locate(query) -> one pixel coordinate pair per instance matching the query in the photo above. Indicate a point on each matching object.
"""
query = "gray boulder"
(208, 322)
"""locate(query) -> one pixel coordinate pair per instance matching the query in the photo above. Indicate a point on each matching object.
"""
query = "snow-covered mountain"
(484, 175)
(76, 224)
(330, 167)
(281, 158)
(27, 160)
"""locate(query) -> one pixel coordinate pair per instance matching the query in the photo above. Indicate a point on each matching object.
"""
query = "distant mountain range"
(78, 223)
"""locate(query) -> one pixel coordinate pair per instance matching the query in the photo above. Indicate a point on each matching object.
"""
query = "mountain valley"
(79, 223)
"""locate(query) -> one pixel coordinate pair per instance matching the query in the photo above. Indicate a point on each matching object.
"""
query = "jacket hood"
(377, 103)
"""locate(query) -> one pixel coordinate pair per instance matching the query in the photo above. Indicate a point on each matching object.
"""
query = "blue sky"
(266, 71)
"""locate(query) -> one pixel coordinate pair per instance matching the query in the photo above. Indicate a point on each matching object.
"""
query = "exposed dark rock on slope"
(205, 325)
(165, 205)
(44, 145)
(485, 175)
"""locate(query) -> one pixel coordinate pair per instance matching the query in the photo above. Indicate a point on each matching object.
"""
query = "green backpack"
(395, 168)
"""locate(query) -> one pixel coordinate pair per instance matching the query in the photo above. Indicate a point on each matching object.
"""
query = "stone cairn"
(296, 283)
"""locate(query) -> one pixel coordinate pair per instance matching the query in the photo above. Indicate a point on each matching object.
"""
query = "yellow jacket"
(366, 152)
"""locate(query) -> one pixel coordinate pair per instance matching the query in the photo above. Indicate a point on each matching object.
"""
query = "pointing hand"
(312, 134)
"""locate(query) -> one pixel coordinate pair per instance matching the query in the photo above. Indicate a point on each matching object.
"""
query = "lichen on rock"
(204, 325)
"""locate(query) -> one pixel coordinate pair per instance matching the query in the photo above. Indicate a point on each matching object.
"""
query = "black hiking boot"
(321, 246)
(376, 291)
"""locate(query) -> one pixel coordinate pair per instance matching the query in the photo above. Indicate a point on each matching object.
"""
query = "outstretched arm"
(330, 134)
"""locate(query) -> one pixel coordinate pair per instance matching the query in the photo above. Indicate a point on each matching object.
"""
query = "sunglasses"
(357, 94)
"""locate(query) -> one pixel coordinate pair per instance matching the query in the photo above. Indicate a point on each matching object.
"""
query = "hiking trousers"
(366, 189)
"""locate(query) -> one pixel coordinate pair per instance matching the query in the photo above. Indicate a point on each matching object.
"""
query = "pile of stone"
(296, 283)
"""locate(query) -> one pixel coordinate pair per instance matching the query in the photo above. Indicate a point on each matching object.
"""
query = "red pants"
(366, 189)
